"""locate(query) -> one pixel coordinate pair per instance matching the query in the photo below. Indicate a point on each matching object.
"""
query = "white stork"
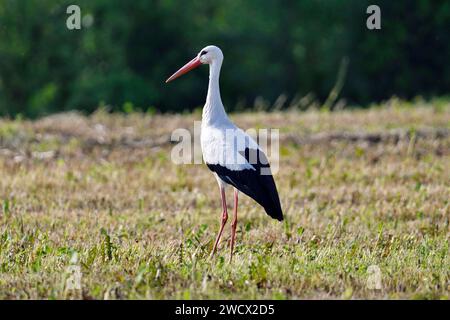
(231, 154)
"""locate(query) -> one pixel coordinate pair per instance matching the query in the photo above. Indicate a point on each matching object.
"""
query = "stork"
(231, 154)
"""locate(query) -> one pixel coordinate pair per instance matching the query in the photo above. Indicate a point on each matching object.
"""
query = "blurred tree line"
(126, 49)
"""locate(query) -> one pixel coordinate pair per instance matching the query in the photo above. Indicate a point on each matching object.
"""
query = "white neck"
(213, 111)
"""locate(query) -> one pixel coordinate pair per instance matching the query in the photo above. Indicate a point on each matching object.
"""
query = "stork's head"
(207, 55)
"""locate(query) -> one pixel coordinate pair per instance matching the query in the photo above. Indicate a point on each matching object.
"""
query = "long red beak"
(194, 63)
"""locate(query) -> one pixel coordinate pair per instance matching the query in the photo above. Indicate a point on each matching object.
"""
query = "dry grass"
(101, 193)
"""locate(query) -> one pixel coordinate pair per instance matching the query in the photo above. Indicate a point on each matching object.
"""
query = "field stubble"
(101, 193)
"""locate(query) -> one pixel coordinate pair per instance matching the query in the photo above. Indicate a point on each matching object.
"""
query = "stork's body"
(233, 156)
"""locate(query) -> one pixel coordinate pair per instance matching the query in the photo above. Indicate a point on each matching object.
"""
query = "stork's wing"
(257, 182)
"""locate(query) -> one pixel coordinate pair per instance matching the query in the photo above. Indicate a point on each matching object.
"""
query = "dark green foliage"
(271, 47)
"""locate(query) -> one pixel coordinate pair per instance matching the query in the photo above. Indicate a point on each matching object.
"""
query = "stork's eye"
(203, 52)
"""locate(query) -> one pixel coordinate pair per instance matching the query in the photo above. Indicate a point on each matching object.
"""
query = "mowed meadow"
(362, 190)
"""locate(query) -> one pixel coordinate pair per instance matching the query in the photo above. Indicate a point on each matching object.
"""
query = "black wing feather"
(259, 187)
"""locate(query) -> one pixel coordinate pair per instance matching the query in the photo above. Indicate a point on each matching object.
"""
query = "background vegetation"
(126, 49)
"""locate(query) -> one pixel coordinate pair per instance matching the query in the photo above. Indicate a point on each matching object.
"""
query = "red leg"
(234, 223)
(223, 220)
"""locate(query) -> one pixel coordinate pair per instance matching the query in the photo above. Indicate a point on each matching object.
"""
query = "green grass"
(79, 191)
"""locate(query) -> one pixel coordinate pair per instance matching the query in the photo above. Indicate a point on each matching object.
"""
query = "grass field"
(358, 188)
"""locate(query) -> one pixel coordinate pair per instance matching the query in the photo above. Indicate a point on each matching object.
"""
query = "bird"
(232, 155)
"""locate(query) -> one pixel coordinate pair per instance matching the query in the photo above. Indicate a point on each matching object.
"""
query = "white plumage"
(221, 141)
